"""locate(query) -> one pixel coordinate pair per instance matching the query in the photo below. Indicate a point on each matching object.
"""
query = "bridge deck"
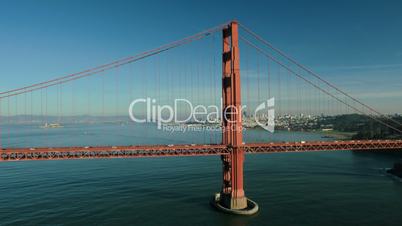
(18, 154)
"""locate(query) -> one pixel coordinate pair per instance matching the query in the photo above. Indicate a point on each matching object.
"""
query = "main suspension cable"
(262, 40)
(314, 85)
(112, 65)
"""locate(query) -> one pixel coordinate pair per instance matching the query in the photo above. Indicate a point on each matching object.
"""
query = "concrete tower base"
(221, 204)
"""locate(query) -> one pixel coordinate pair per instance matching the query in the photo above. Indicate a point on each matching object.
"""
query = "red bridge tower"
(231, 198)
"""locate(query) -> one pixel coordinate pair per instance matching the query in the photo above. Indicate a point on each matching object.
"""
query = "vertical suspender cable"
(1, 134)
(8, 122)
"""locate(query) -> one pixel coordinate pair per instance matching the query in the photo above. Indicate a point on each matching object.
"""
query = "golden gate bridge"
(267, 72)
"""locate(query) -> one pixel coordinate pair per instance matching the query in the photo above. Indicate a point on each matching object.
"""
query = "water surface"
(333, 188)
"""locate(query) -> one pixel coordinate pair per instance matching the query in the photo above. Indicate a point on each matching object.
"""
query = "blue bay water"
(334, 188)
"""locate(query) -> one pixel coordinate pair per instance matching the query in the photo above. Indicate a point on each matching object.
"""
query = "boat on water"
(51, 126)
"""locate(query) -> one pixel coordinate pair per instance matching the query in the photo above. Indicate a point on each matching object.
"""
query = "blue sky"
(355, 44)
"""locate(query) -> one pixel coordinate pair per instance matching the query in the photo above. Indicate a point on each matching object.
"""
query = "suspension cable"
(259, 38)
(314, 85)
(112, 65)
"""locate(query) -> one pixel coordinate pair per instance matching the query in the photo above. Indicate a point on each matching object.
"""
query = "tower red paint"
(232, 194)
